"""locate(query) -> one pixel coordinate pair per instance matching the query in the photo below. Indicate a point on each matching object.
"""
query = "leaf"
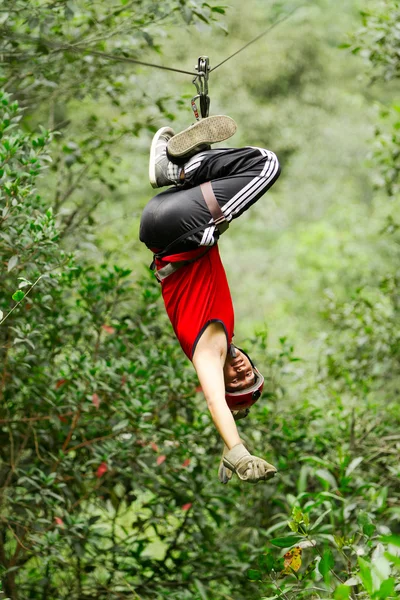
(365, 574)
(364, 520)
(12, 262)
(369, 529)
(266, 562)
(1, 315)
(18, 295)
(342, 592)
(380, 568)
(292, 560)
(286, 542)
(353, 465)
(394, 559)
(200, 16)
(326, 476)
(187, 14)
(326, 563)
(394, 540)
(386, 589)
(307, 544)
(254, 574)
(320, 518)
(121, 425)
(293, 526)
(352, 581)
(201, 589)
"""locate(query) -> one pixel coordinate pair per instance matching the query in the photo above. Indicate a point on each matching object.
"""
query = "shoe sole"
(153, 149)
(207, 131)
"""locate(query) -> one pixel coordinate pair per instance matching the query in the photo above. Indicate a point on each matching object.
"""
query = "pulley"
(201, 83)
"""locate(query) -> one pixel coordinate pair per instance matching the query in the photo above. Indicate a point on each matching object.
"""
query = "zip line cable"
(146, 64)
(258, 37)
(128, 59)
(200, 77)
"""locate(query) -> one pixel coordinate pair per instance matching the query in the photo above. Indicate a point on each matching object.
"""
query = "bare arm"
(208, 360)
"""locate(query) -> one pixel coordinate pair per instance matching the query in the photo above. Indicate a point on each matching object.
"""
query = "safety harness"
(219, 220)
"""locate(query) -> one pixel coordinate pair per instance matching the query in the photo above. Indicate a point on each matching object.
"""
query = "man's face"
(238, 372)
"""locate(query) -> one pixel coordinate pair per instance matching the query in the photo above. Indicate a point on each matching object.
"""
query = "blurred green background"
(108, 455)
(296, 93)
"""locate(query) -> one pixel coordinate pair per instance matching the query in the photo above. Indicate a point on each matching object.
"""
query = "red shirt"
(196, 295)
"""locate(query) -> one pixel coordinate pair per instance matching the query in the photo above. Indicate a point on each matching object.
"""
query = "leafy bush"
(102, 446)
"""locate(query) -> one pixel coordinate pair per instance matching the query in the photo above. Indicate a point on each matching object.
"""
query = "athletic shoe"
(162, 171)
(207, 131)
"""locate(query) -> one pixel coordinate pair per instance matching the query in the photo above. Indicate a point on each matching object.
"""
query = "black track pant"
(239, 177)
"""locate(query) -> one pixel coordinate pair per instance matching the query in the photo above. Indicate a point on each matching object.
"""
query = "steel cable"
(258, 37)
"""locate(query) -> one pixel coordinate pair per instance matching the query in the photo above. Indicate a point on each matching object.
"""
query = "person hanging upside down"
(182, 226)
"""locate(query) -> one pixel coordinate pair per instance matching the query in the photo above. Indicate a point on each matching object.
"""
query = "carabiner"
(201, 83)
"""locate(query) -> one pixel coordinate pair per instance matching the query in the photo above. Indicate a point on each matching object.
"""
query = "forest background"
(108, 456)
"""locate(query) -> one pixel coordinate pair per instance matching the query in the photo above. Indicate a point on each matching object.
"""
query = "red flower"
(187, 506)
(102, 468)
(96, 400)
(160, 459)
(186, 462)
(198, 389)
(59, 521)
(60, 382)
(154, 446)
(108, 328)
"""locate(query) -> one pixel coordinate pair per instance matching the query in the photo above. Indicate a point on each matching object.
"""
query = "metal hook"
(201, 83)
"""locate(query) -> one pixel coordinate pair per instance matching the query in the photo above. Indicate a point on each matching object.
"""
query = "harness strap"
(174, 266)
(219, 220)
(169, 269)
(213, 206)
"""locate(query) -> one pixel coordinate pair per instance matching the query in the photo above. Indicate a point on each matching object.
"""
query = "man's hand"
(246, 466)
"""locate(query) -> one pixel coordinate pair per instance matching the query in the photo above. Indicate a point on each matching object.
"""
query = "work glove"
(224, 474)
(246, 466)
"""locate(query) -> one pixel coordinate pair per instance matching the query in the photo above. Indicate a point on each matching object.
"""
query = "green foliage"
(95, 398)
(108, 458)
(386, 152)
(63, 45)
(378, 39)
(378, 42)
